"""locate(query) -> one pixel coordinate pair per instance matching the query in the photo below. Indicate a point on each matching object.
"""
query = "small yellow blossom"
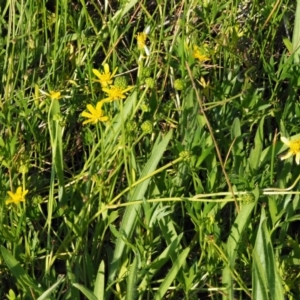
(55, 95)
(141, 40)
(200, 53)
(105, 78)
(17, 197)
(115, 93)
(52, 94)
(95, 114)
(294, 149)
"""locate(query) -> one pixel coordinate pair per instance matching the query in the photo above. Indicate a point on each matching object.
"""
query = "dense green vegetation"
(148, 149)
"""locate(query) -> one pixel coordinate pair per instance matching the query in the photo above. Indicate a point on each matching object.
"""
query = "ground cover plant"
(149, 149)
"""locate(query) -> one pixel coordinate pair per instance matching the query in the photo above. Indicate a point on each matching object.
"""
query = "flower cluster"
(116, 91)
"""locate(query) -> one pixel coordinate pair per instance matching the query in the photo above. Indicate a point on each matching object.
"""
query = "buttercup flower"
(55, 95)
(141, 40)
(115, 93)
(294, 149)
(200, 53)
(52, 94)
(95, 114)
(17, 197)
(105, 78)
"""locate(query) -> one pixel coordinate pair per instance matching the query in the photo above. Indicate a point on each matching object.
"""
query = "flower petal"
(99, 105)
(19, 191)
(97, 73)
(8, 201)
(285, 140)
(87, 115)
(88, 121)
(298, 158)
(147, 29)
(289, 154)
(11, 195)
(91, 109)
(106, 69)
(104, 119)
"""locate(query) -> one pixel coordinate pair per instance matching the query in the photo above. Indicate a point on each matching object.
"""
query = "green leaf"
(258, 145)
(90, 295)
(288, 44)
(131, 291)
(100, 282)
(130, 215)
(160, 261)
(172, 274)
(236, 233)
(19, 273)
(259, 281)
(47, 293)
(56, 133)
(296, 34)
(265, 273)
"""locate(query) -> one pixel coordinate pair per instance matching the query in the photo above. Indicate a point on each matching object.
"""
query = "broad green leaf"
(130, 215)
(171, 274)
(259, 280)
(236, 233)
(90, 295)
(131, 291)
(236, 131)
(265, 273)
(99, 288)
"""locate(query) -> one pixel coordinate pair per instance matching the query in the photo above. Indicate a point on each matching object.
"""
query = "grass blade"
(265, 273)
(233, 241)
(46, 294)
(130, 215)
(100, 281)
(90, 295)
(296, 34)
(131, 291)
(172, 274)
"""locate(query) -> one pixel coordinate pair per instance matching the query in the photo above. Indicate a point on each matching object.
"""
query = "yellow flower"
(17, 197)
(95, 114)
(55, 95)
(52, 94)
(294, 149)
(141, 40)
(105, 78)
(115, 93)
(200, 53)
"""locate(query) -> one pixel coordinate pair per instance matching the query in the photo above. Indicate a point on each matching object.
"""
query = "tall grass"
(181, 193)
